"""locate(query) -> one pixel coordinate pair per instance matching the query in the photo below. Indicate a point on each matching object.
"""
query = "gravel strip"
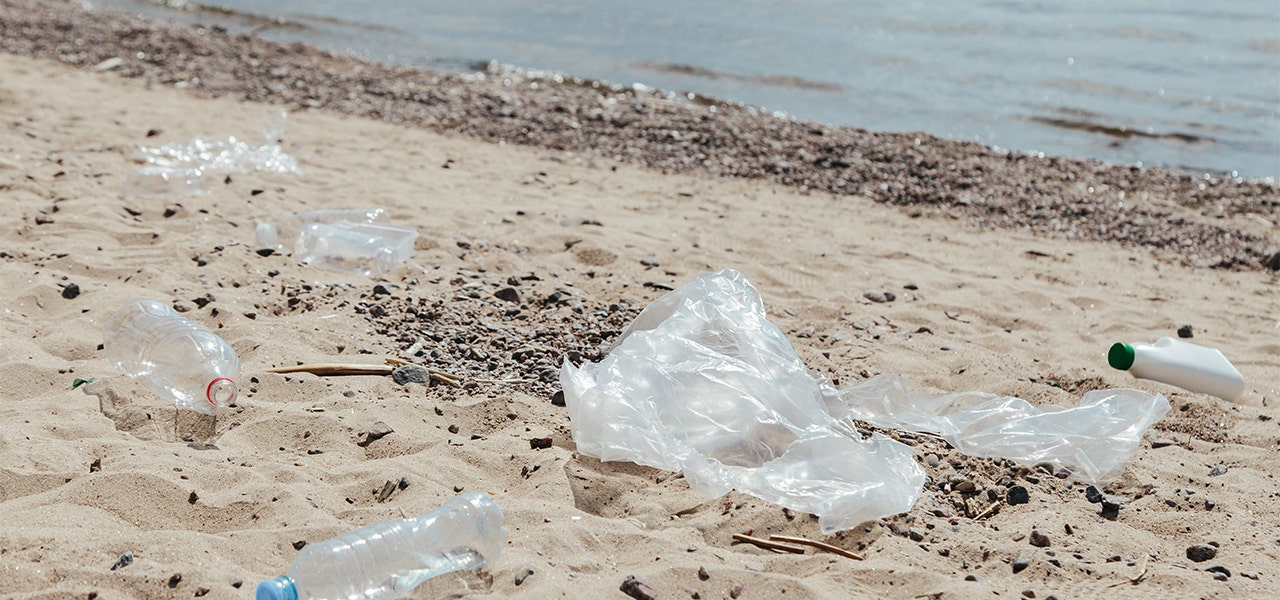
(1206, 221)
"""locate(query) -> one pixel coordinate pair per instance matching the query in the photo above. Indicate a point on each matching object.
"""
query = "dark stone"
(237, 583)
(509, 294)
(192, 498)
(1038, 539)
(174, 580)
(735, 591)
(1111, 507)
(1273, 263)
(638, 588)
(406, 374)
(1184, 331)
(1092, 494)
(201, 591)
(1021, 562)
(381, 290)
(1201, 552)
(1017, 495)
(703, 575)
(265, 252)
(1218, 470)
(916, 535)
(125, 560)
(1219, 569)
(971, 577)
(557, 399)
(540, 443)
(300, 544)
(70, 291)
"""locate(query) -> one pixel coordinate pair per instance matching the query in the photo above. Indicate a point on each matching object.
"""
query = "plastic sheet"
(701, 382)
(227, 156)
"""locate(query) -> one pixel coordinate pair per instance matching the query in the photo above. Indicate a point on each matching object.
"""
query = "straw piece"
(768, 544)
(334, 369)
(816, 544)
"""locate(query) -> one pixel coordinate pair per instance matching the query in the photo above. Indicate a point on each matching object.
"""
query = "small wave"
(787, 81)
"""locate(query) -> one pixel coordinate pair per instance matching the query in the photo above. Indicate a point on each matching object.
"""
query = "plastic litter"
(228, 156)
(1175, 362)
(701, 382)
(173, 356)
(282, 236)
(370, 249)
(164, 181)
(390, 558)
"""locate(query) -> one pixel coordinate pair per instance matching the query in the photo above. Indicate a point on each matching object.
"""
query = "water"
(1172, 83)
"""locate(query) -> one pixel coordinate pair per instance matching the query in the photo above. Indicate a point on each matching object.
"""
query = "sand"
(208, 508)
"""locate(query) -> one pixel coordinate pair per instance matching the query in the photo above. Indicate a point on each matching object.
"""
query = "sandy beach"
(541, 249)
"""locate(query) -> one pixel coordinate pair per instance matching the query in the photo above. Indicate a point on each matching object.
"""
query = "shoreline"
(1197, 221)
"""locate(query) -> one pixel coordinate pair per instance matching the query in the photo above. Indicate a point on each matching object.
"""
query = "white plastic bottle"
(370, 249)
(1175, 362)
(389, 558)
(173, 356)
(282, 236)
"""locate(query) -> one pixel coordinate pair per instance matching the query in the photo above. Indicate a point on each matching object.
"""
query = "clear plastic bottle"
(173, 356)
(283, 235)
(370, 249)
(1175, 362)
(164, 181)
(387, 559)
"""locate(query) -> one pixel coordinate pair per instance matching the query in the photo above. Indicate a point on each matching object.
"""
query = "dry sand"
(88, 474)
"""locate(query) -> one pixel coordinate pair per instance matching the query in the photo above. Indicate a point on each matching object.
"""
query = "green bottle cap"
(1121, 356)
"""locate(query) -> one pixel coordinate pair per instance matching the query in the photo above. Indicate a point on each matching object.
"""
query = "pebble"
(703, 574)
(237, 583)
(174, 580)
(125, 560)
(972, 577)
(879, 296)
(1039, 539)
(1201, 552)
(1218, 470)
(1221, 570)
(376, 432)
(300, 544)
(735, 591)
(932, 460)
(1017, 495)
(1111, 507)
(1092, 494)
(406, 374)
(508, 294)
(71, 291)
(1184, 331)
(557, 399)
(201, 591)
(1021, 562)
(1162, 443)
(638, 588)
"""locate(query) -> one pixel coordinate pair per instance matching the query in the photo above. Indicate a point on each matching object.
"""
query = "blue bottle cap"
(280, 588)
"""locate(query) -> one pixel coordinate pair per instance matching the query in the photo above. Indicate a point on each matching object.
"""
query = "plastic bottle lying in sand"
(370, 249)
(164, 181)
(1175, 362)
(387, 559)
(282, 236)
(173, 356)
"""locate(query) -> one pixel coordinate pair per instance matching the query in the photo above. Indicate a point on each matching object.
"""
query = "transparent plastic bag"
(1093, 441)
(701, 382)
(228, 156)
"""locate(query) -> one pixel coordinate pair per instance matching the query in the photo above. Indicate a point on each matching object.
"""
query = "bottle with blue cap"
(1175, 362)
(390, 558)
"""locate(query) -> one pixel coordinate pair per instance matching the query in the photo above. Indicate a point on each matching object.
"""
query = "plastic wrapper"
(701, 382)
(228, 156)
(164, 181)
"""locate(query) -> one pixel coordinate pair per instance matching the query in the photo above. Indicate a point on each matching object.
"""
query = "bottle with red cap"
(173, 356)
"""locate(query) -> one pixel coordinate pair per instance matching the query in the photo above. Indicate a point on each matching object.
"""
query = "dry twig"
(775, 546)
(816, 544)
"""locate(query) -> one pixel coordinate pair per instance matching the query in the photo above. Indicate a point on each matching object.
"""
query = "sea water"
(1177, 83)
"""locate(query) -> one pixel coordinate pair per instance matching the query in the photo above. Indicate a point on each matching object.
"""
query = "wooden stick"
(987, 510)
(768, 544)
(335, 369)
(816, 544)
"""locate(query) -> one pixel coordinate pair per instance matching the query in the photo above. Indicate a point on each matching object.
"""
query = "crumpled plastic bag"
(701, 382)
(228, 156)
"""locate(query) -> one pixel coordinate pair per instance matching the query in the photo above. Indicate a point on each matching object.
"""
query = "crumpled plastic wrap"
(701, 382)
(228, 156)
